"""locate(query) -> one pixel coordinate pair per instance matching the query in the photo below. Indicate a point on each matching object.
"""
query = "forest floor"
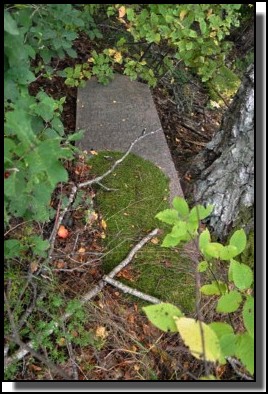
(125, 345)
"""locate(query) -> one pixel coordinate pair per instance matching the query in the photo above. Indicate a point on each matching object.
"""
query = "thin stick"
(129, 290)
(234, 363)
(117, 162)
(88, 296)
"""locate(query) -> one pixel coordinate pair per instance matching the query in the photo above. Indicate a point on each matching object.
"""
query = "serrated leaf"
(245, 351)
(181, 206)
(214, 288)
(169, 241)
(76, 136)
(228, 345)
(228, 252)
(10, 25)
(57, 125)
(199, 212)
(179, 230)
(169, 216)
(162, 316)
(204, 239)
(213, 249)
(229, 302)
(241, 275)
(239, 239)
(190, 332)
(202, 266)
(221, 329)
(248, 315)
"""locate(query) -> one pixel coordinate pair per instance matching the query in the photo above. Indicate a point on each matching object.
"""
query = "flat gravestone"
(113, 116)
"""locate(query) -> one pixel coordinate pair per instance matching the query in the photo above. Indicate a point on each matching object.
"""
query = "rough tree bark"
(226, 166)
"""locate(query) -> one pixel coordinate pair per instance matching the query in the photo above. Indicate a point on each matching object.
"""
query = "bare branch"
(129, 290)
(117, 162)
(235, 365)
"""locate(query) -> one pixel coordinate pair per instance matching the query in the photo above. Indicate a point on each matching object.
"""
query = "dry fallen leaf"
(35, 368)
(93, 152)
(155, 240)
(121, 11)
(81, 250)
(34, 267)
(60, 264)
(101, 332)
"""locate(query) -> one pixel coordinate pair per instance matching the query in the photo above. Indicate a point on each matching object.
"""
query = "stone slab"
(114, 115)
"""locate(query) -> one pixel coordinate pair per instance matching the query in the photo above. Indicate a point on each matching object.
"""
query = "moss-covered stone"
(141, 192)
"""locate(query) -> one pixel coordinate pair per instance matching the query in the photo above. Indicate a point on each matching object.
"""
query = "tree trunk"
(226, 166)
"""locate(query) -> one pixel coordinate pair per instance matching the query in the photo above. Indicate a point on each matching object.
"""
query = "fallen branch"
(235, 365)
(192, 128)
(117, 162)
(87, 297)
(129, 290)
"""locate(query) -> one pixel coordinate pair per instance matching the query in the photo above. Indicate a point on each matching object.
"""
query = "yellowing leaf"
(93, 152)
(111, 52)
(155, 240)
(81, 250)
(182, 14)
(61, 342)
(103, 236)
(121, 11)
(190, 332)
(101, 332)
(103, 224)
(118, 57)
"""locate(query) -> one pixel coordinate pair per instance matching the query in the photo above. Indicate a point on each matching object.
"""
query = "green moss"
(142, 191)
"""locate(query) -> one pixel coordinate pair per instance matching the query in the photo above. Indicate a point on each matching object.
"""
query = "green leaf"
(228, 345)
(76, 136)
(248, 315)
(202, 266)
(228, 252)
(241, 275)
(169, 216)
(179, 230)
(169, 241)
(229, 302)
(213, 249)
(215, 288)
(180, 204)
(18, 123)
(57, 125)
(221, 329)
(245, 351)
(190, 332)
(204, 239)
(12, 248)
(162, 316)
(10, 25)
(203, 26)
(199, 212)
(239, 239)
